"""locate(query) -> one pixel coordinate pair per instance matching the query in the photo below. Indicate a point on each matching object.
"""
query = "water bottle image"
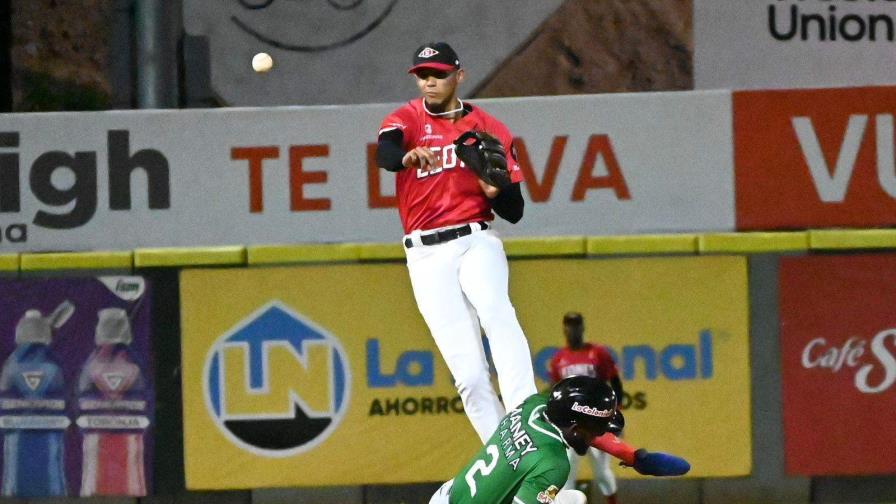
(32, 409)
(112, 408)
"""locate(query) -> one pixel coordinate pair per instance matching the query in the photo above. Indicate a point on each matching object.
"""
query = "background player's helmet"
(584, 401)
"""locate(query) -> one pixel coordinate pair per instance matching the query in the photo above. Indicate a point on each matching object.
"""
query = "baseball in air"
(262, 62)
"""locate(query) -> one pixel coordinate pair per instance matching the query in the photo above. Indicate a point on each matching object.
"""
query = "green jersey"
(524, 462)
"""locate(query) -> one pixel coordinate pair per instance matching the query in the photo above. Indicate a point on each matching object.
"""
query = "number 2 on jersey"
(482, 467)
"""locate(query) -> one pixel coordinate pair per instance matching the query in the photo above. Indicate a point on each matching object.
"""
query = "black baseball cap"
(435, 55)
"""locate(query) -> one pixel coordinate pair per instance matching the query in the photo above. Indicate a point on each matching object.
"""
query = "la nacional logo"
(276, 383)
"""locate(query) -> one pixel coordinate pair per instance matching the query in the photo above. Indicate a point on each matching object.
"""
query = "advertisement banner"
(815, 158)
(793, 43)
(290, 372)
(126, 179)
(838, 353)
(76, 387)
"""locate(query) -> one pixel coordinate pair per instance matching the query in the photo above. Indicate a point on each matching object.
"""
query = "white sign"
(121, 180)
(752, 44)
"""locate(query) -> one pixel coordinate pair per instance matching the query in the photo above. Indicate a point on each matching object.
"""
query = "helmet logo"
(592, 411)
(429, 52)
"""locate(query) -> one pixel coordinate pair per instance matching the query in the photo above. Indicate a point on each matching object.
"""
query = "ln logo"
(277, 384)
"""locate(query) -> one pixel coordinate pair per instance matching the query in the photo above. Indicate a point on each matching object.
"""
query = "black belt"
(445, 235)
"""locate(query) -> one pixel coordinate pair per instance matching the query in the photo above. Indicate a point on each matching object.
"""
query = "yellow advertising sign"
(679, 330)
(327, 375)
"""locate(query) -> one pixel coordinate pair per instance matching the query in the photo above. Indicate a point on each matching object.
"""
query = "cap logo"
(592, 411)
(429, 52)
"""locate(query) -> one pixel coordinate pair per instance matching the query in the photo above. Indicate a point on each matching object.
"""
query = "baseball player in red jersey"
(456, 262)
(581, 358)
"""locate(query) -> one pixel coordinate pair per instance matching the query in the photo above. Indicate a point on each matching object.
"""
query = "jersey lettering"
(449, 156)
(446, 158)
(481, 466)
(579, 370)
(524, 456)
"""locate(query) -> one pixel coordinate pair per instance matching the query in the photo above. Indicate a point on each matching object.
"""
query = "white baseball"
(262, 62)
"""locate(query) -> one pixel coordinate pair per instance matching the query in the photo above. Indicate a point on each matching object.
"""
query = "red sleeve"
(554, 368)
(616, 447)
(502, 133)
(404, 119)
(606, 367)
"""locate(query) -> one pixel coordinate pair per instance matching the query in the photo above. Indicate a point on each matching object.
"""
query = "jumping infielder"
(524, 461)
(450, 178)
(581, 358)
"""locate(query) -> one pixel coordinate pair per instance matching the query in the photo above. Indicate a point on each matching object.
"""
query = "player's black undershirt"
(508, 204)
(388, 150)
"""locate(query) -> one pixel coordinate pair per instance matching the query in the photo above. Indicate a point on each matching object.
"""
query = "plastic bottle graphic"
(32, 409)
(113, 412)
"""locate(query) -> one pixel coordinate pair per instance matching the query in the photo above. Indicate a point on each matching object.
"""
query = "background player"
(457, 265)
(524, 461)
(581, 358)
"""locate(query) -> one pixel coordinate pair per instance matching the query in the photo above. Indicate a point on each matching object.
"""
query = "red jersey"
(449, 193)
(590, 360)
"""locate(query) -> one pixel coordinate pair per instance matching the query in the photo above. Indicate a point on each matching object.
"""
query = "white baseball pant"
(442, 494)
(563, 497)
(453, 279)
(600, 469)
(570, 497)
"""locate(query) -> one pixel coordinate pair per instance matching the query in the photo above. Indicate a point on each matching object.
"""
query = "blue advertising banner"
(76, 389)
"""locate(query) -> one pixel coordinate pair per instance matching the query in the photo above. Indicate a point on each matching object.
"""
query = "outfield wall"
(770, 476)
(647, 163)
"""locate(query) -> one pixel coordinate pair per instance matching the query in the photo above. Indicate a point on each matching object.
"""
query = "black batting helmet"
(585, 401)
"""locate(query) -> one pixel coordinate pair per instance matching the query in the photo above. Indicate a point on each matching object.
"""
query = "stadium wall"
(777, 154)
(767, 482)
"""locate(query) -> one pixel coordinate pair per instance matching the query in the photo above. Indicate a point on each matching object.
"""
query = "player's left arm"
(616, 384)
(509, 204)
(643, 461)
(607, 367)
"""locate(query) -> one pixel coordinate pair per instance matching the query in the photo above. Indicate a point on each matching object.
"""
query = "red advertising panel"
(815, 158)
(838, 352)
